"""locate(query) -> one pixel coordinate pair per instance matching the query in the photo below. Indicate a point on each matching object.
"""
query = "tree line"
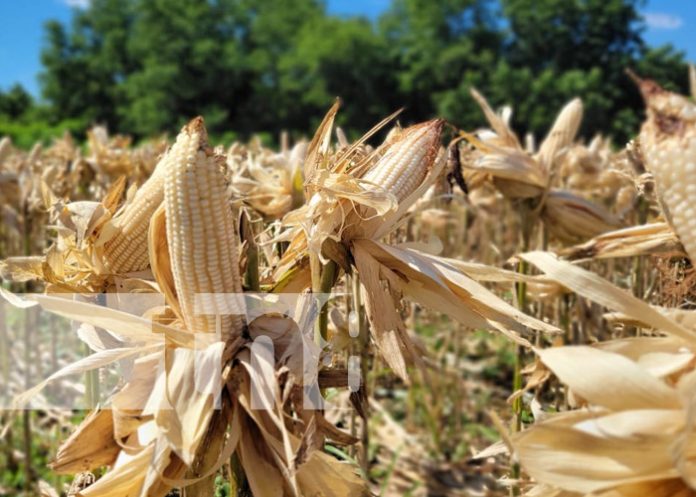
(261, 66)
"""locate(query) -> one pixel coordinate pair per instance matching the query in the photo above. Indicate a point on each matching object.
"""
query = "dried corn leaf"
(436, 275)
(574, 460)
(597, 289)
(91, 362)
(192, 385)
(562, 133)
(498, 123)
(646, 239)
(125, 480)
(92, 445)
(607, 379)
(388, 327)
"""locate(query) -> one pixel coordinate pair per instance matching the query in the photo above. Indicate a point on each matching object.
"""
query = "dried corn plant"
(663, 148)
(163, 431)
(270, 182)
(112, 157)
(607, 325)
(629, 397)
(353, 201)
(526, 176)
(163, 230)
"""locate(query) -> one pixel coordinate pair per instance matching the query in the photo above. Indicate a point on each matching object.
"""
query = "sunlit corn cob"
(127, 250)
(407, 160)
(201, 234)
(668, 144)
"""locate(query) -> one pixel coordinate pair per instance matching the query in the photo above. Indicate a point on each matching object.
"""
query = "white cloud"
(78, 4)
(659, 20)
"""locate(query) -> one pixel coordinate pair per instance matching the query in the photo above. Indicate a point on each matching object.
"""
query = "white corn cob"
(201, 234)
(407, 161)
(668, 144)
(127, 250)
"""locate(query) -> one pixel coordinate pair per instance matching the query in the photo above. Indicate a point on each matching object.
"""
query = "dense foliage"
(260, 66)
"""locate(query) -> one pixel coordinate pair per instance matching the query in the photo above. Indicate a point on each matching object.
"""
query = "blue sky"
(21, 35)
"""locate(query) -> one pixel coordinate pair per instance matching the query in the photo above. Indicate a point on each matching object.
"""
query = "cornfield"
(425, 311)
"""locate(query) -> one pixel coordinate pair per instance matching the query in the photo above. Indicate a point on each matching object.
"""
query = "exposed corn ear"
(201, 234)
(126, 250)
(407, 167)
(668, 144)
(407, 161)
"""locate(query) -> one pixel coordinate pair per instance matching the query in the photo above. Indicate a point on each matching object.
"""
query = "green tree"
(534, 55)
(338, 58)
(84, 66)
(249, 66)
(582, 48)
(273, 27)
(571, 34)
(187, 61)
(437, 43)
(15, 102)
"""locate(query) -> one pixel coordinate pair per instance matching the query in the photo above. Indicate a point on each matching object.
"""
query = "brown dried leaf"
(92, 445)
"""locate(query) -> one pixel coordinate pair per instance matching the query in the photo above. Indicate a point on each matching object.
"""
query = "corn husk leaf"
(570, 217)
(574, 460)
(609, 380)
(90, 446)
(646, 239)
(562, 133)
(428, 276)
(499, 125)
(388, 328)
(189, 401)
